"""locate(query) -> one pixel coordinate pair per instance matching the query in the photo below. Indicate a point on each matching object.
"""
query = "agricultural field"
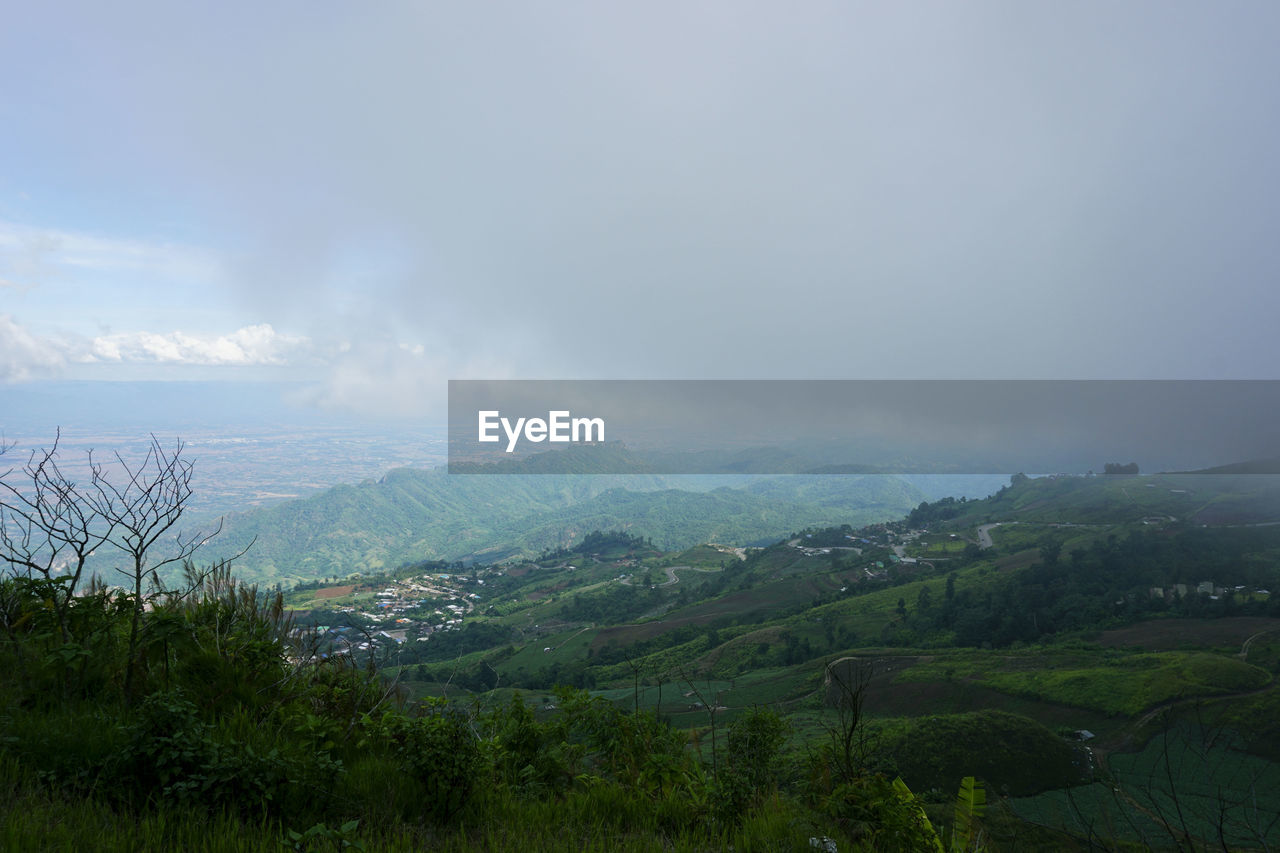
(1116, 684)
(1182, 782)
(1166, 634)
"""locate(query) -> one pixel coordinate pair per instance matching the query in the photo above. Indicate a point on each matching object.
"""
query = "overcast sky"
(382, 196)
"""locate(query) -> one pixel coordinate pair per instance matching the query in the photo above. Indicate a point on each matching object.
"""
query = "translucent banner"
(859, 426)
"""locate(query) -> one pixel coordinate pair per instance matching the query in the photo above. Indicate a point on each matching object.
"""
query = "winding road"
(671, 574)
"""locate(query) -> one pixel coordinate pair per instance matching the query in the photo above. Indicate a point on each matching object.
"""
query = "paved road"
(984, 534)
(671, 574)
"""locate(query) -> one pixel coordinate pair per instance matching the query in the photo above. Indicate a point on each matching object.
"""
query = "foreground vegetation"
(614, 695)
(228, 719)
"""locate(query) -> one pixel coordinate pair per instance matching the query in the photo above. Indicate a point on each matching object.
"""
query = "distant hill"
(412, 515)
(615, 457)
(1211, 498)
(1260, 466)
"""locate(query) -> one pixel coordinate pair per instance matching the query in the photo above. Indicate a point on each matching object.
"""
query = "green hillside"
(414, 515)
(614, 659)
(1213, 499)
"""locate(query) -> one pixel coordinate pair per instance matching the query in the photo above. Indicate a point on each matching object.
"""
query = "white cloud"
(26, 356)
(395, 379)
(259, 345)
(29, 255)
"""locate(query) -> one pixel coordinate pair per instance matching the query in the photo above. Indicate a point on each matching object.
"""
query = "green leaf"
(905, 793)
(971, 802)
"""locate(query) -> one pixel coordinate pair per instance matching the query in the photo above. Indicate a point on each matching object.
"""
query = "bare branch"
(47, 526)
(141, 507)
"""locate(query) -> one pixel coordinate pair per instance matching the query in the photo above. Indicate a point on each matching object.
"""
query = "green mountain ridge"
(413, 515)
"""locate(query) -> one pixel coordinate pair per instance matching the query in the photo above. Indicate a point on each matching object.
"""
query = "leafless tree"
(847, 680)
(140, 510)
(50, 525)
(709, 699)
(49, 528)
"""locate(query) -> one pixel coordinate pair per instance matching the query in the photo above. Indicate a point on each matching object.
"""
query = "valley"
(1097, 654)
(1094, 638)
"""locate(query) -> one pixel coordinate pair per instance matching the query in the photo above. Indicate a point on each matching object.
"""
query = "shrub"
(439, 749)
(749, 774)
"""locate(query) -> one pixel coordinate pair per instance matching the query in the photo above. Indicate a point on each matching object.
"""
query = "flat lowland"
(1170, 634)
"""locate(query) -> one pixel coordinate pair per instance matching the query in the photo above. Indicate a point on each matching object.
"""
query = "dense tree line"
(943, 509)
(1107, 584)
(473, 636)
(618, 603)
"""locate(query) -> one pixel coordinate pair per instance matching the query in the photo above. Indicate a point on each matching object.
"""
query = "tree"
(1049, 553)
(924, 601)
(140, 510)
(850, 747)
(48, 528)
(754, 741)
(709, 699)
(50, 525)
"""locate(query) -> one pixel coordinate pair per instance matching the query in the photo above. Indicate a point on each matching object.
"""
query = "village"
(402, 610)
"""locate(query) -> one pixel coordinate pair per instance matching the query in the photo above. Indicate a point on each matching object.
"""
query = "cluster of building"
(391, 607)
(1182, 590)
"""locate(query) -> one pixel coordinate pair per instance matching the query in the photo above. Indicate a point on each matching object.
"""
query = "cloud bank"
(665, 190)
(24, 356)
(258, 345)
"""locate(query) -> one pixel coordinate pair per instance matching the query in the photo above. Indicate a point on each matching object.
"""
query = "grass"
(1094, 812)
(1207, 785)
(703, 556)
(605, 818)
(944, 547)
(1012, 754)
(1192, 783)
(32, 817)
(1117, 684)
(565, 647)
(773, 686)
(1256, 718)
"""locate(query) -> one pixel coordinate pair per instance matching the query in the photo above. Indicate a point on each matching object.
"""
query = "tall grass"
(35, 817)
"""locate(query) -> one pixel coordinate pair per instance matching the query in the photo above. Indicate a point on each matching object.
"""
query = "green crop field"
(1182, 783)
(1126, 684)
(564, 647)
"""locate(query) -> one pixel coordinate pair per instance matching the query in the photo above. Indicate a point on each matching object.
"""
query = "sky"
(378, 197)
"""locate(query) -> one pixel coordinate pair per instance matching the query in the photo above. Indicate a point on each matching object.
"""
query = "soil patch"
(1170, 634)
